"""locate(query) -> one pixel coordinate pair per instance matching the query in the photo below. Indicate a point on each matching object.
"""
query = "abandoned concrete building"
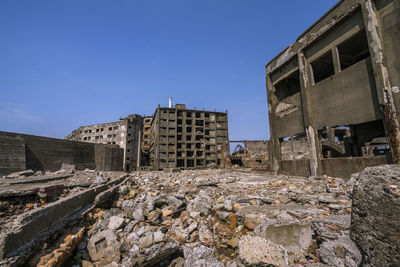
(185, 138)
(335, 92)
(146, 141)
(125, 133)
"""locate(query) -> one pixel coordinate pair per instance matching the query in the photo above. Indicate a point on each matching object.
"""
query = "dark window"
(189, 153)
(188, 137)
(322, 67)
(188, 129)
(353, 50)
(190, 163)
(287, 86)
(180, 163)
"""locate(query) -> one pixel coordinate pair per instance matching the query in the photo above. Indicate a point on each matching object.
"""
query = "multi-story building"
(335, 90)
(145, 141)
(124, 133)
(183, 138)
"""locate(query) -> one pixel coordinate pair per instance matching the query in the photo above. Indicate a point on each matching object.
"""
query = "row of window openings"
(350, 52)
(199, 162)
(102, 129)
(188, 113)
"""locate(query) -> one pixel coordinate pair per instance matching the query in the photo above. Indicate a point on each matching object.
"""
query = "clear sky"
(69, 63)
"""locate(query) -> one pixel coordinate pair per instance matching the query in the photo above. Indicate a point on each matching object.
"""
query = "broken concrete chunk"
(115, 223)
(200, 256)
(294, 237)
(340, 252)
(258, 251)
(104, 247)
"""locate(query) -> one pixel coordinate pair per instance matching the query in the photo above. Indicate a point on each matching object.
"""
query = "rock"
(104, 248)
(99, 180)
(26, 173)
(375, 218)
(228, 205)
(294, 237)
(133, 210)
(146, 241)
(236, 207)
(115, 223)
(202, 203)
(340, 252)
(86, 264)
(159, 252)
(158, 237)
(258, 251)
(250, 225)
(200, 256)
(233, 243)
(166, 213)
(231, 221)
(327, 198)
(67, 168)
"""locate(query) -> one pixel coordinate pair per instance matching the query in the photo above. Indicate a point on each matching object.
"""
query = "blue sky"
(69, 63)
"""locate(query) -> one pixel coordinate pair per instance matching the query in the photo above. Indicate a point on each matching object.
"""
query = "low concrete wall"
(295, 167)
(12, 154)
(345, 167)
(335, 167)
(48, 154)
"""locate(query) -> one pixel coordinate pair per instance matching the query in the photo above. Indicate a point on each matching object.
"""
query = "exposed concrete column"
(274, 145)
(382, 79)
(139, 150)
(314, 144)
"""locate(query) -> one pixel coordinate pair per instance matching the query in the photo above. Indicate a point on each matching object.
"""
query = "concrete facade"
(183, 138)
(146, 141)
(22, 151)
(337, 89)
(125, 133)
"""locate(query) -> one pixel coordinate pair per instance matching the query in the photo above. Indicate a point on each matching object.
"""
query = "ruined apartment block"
(333, 95)
(124, 133)
(183, 138)
(146, 141)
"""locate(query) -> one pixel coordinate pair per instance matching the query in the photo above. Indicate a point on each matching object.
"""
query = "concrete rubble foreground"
(195, 218)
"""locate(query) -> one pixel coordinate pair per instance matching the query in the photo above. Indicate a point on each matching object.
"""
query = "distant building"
(146, 141)
(125, 133)
(183, 138)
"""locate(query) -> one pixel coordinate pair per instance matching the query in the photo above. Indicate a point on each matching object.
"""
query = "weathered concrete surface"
(376, 215)
(12, 154)
(258, 251)
(48, 154)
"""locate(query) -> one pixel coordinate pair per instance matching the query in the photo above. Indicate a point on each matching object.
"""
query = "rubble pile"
(223, 218)
(27, 190)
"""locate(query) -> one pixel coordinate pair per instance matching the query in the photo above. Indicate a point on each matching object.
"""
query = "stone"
(166, 213)
(202, 203)
(158, 237)
(340, 252)
(228, 205)
(231, 221)
(236, 207)
(67, 168)
(85, 263)
(294, 237)
(258, 251)
(104, 248)
(233, 243)
(146, 241)
(327, 198)
(200, 256)
(115, 223)
(250, 225)
(159, 252)
(375, 217)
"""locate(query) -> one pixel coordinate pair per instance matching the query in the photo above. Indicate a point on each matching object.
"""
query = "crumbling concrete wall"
(12, 154)
(48, 154)
(294, 149)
